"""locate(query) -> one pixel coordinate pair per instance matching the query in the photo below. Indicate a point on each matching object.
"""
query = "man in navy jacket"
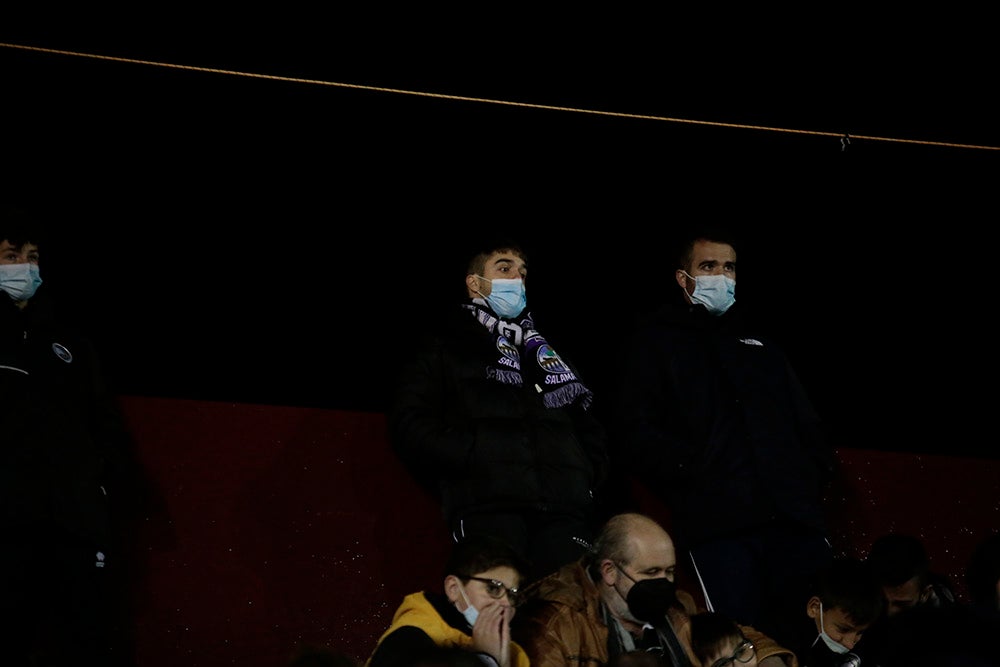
(717, 424)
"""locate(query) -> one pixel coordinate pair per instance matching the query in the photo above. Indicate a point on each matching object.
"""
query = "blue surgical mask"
(19, 280)
(717, 293)
(507, 298)
(470, 612)
(834, 646)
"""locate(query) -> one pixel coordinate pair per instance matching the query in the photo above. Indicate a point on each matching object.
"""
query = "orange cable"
(462, 98)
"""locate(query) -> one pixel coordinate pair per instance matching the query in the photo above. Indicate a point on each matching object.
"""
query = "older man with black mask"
(618, 599)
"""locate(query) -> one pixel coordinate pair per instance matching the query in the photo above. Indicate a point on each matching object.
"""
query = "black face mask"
(650, 599)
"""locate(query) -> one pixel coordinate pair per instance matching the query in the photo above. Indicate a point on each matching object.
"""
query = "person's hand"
(491, 633)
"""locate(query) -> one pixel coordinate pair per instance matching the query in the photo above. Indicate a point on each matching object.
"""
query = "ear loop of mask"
(478, 278)
(470, 612)
(461, 590)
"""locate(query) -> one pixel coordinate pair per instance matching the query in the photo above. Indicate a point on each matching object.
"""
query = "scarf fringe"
(568, 393)
(504, 376)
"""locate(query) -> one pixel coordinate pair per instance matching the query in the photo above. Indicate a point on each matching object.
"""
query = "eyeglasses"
(497, 589)
(743, 653)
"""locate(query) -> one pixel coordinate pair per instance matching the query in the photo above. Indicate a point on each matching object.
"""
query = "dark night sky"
(271, 241)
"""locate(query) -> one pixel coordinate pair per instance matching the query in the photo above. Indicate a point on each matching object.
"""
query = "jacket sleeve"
(107, 421)
(547, 638)
(594, 439)
(644, 409)
(131, 493)
(423, 433)
(811, 427)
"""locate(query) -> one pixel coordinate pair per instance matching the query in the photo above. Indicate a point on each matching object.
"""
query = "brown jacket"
(561, 624)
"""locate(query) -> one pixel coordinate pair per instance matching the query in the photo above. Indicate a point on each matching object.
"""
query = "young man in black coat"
(61, 445)
(716, 423)
(499, 423)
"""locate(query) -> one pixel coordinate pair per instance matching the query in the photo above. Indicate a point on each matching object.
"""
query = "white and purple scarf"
(551, 376)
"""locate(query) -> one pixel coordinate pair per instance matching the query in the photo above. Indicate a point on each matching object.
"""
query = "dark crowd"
(547, 567)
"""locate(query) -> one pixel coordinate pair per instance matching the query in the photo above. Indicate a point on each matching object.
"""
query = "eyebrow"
(25, 248)
(503, 261)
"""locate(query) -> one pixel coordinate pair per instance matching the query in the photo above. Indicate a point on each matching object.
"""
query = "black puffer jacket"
(62, 433)
(717, 423)
(487, 445)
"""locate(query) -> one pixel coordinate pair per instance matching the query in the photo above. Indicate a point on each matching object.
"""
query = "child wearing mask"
(481, 589)
(846, 599)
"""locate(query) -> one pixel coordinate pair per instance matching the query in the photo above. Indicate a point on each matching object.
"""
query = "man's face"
(503, 264)
(11, 254)
(837, 623)
(907, 595)
(708, 258)
(652, 556)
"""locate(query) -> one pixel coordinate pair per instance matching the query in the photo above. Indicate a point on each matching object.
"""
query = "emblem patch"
(506, 349)
(550, 361)
(62, 353)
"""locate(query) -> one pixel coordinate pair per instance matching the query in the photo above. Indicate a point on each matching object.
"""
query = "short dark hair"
(896, 558)
(710, 632)
(478, 553)
(714, 232)
(850, 584)
(486, 247)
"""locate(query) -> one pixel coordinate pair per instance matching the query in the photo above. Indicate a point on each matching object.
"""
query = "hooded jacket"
(424, 621)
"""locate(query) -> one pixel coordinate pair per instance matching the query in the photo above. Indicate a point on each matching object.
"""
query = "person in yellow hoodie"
(481, 591)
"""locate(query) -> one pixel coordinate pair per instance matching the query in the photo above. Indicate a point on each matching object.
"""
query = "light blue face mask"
(717, 293)
(19, 280)
(507, 297)
(470, 612)
(834, 646)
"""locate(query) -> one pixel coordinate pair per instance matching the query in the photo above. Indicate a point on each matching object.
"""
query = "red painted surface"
(282, 525)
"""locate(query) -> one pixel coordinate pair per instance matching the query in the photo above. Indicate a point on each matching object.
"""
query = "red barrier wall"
(281, 526)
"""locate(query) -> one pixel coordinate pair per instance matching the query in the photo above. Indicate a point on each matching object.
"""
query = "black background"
(279, 241)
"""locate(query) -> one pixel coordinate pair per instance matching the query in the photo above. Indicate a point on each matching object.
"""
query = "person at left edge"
(63, 450)
(490, 415)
